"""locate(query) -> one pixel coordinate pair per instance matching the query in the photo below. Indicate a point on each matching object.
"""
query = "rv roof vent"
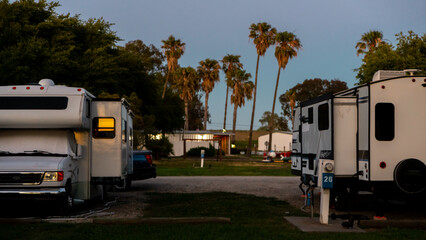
(385, 74)
(46, 83)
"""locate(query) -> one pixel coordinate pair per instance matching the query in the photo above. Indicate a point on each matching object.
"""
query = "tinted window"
(103, 127)
(123, 131)
(385, 121)
(310, 115)
(34, 103)
(138, 157)
(323, 119)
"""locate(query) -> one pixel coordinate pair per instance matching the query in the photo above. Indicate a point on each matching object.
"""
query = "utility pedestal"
(326, 179)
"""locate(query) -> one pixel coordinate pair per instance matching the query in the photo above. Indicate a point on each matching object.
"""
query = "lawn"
(251, 218)
(226, 167)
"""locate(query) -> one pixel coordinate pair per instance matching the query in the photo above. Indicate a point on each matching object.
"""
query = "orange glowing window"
(103, 127)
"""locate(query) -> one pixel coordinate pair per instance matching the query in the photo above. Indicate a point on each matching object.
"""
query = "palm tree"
(187, 83)
(242, 88)
(209, 72)
(173, 49)
(263, 37)
(291, 96)
(230, 64)
(369, 40)
(287, 45)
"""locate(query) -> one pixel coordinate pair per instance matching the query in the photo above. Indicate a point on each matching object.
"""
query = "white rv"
(62, 143)
(374, 136)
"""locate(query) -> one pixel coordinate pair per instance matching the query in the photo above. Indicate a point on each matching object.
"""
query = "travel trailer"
(372, 137)
(62, 143)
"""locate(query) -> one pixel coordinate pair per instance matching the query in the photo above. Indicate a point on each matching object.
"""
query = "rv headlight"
(329, 167)
(53, 176)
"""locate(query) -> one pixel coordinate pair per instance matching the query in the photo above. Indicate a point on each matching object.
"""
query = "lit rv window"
(103, 127)
(33, 103)
(123, 131)
(385, 121)
(323, 119)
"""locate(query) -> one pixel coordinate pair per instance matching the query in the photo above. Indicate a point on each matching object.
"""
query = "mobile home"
(62, 143)
(373, 134)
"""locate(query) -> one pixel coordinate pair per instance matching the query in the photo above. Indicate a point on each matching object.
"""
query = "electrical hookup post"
(202, 157)
(325, 182)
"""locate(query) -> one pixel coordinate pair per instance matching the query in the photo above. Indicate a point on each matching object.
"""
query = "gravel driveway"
(283, 188)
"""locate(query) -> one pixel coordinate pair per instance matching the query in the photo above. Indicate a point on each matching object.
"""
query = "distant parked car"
(143, 168)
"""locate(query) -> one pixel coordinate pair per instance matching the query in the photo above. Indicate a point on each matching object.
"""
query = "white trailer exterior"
(374, 134)
(62, 143)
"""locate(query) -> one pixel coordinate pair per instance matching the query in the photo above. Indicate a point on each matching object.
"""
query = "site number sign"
(327, 180)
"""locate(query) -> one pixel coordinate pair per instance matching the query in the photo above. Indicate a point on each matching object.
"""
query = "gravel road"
(283, 188)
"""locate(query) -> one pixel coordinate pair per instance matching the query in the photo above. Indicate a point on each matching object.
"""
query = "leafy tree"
(287, 45)
(230, 65)
(196, 112)
(410, 53)
(36, 43)
(310, 88)
(174, 49)
(369, 42)
(187, 83)
(280, 123)
(209, 72)
(242, 88)
(263, 37)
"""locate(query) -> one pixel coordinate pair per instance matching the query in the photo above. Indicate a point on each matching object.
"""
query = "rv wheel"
(410, 176)
(66, 202)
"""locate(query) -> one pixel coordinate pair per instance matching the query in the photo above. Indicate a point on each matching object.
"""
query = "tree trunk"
(165, 85)
(226, 107)
(254, 107)
(234, 122)
(186, 115)
(271, 120)
(206, 110)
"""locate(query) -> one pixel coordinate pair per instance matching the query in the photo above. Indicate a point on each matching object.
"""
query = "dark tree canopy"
(410, 53)
(37, 43)
(280, 123)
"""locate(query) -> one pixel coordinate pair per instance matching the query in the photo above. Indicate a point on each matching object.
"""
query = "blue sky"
(327, 29)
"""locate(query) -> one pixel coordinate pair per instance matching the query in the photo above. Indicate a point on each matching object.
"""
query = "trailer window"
(385, 121)
(323, 119)
(33, 103)
(310, 115)
(103, 127)
(123, 130)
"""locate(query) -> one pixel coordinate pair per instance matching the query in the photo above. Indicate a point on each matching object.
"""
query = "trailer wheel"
(410, 176)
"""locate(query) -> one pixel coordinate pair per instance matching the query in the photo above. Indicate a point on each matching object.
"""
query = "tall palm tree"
(287, 45)
(263, 37)
(187, 83)
(173, 49)
(369, 41)
(209, 72)
(230, 64)
(242, 88)
(291, 96)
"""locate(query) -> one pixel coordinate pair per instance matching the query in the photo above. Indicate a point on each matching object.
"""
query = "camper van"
(62, 143)
(373, 136)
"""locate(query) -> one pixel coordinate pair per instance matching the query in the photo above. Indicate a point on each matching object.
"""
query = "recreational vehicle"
(62, 143)
(373, 137)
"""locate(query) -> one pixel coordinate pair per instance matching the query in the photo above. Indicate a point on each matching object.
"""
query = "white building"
(281, 142)
(183, 141)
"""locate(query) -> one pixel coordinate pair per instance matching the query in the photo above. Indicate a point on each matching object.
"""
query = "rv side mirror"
(79, 152)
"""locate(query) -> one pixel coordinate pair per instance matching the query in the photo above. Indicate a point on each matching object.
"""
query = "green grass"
(191, 167)
(251, 218)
